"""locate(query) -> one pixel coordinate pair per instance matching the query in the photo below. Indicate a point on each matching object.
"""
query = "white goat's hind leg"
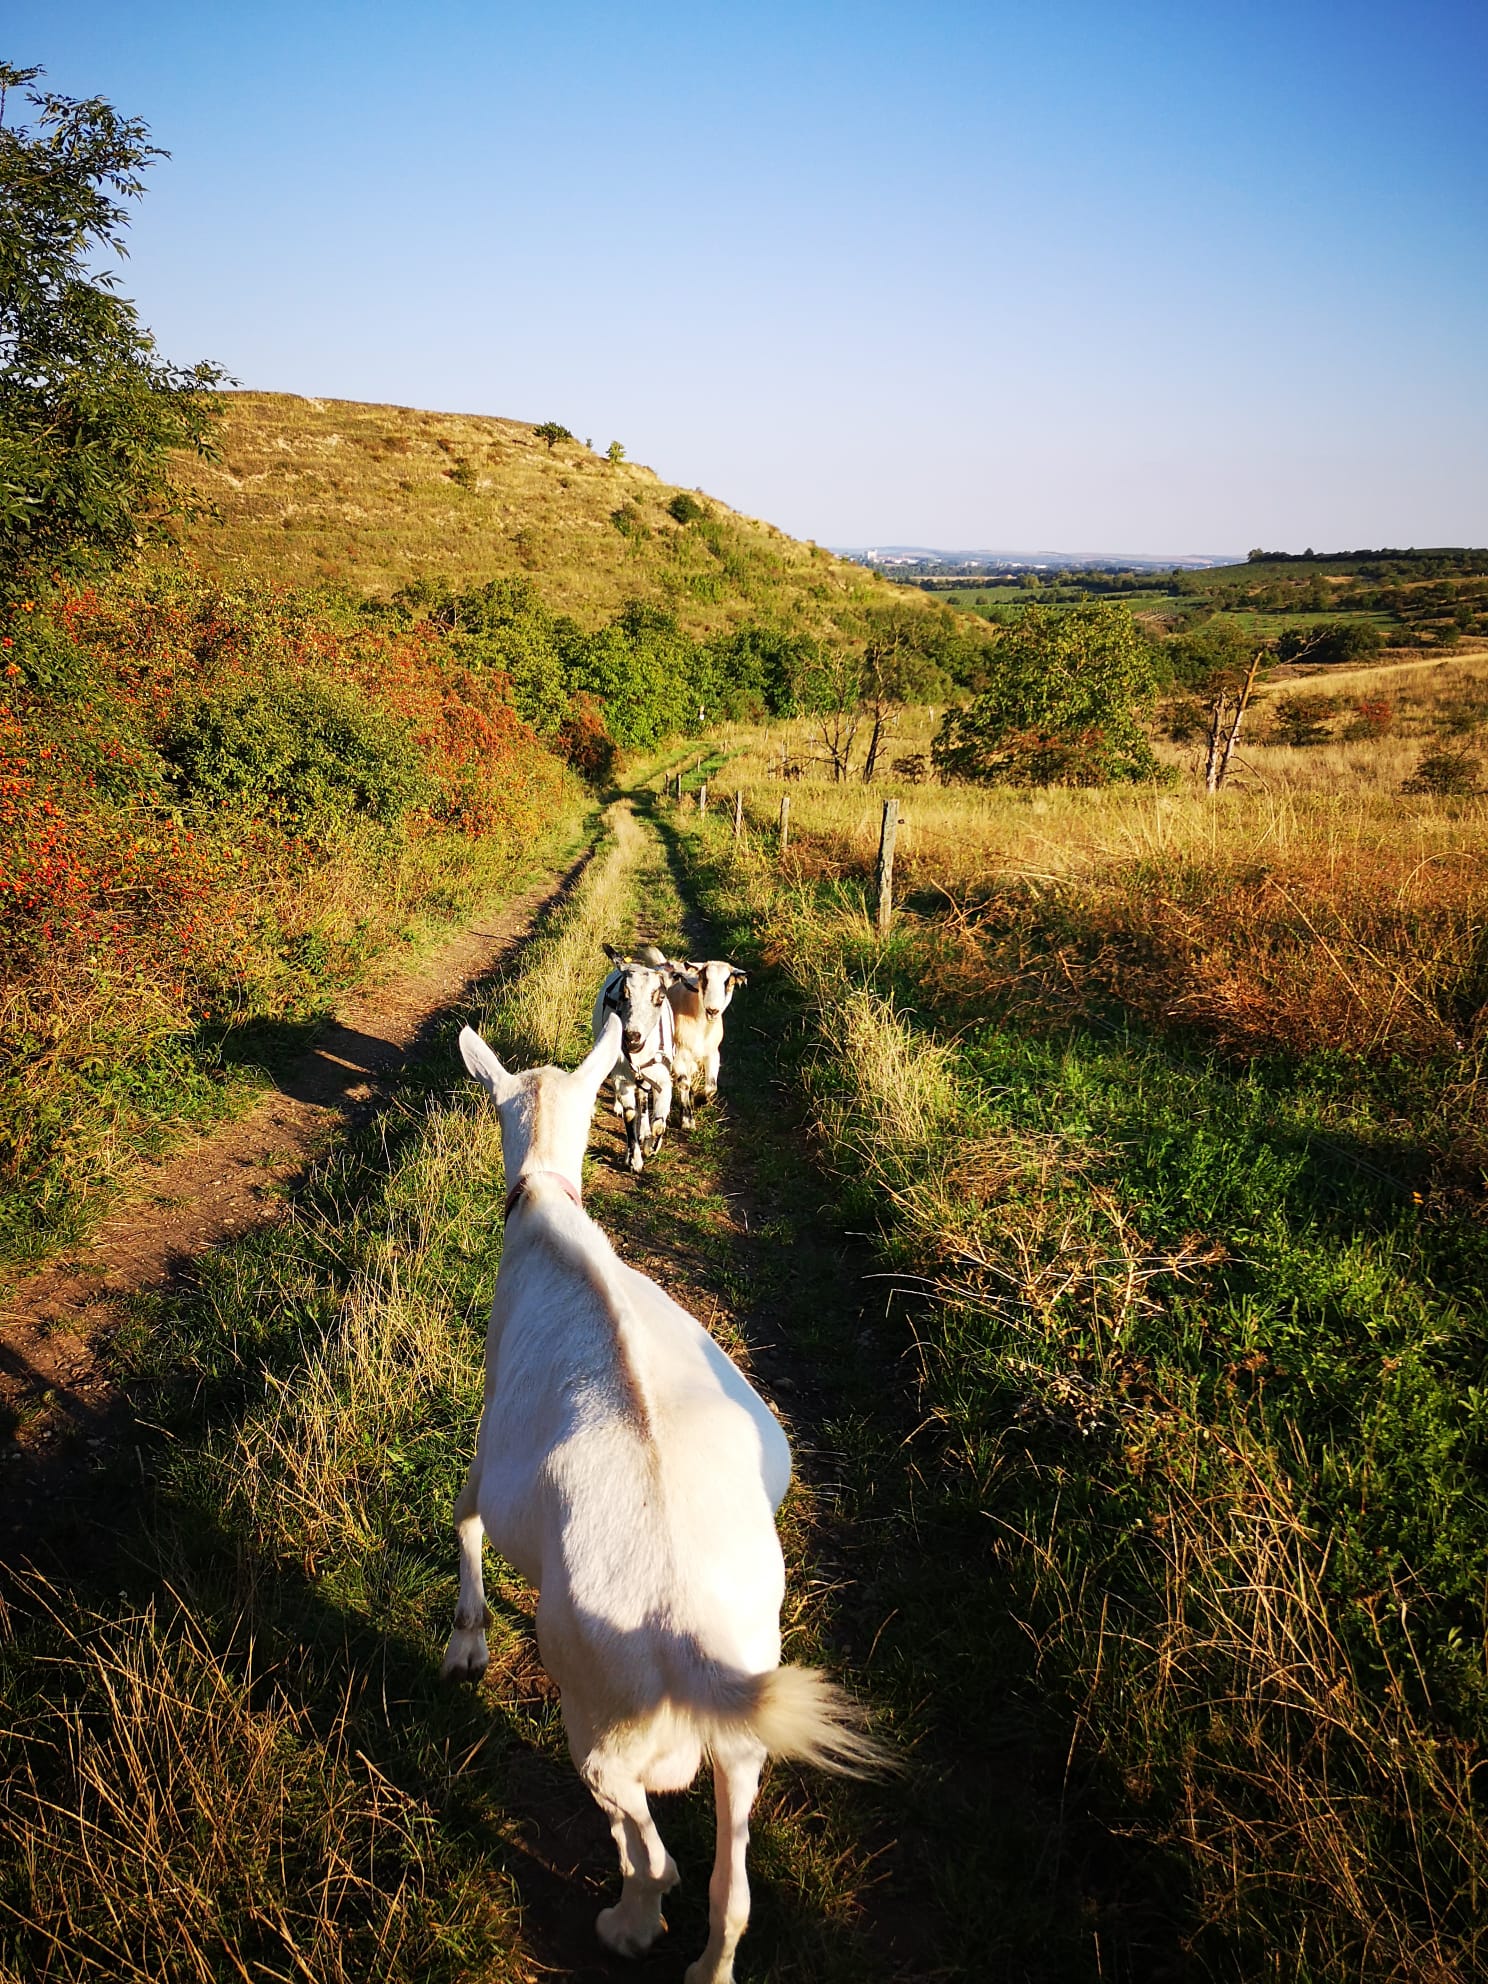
(736, 1776)
(648, 1870)
(466, 1656)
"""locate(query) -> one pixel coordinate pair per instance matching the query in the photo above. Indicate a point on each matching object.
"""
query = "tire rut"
(56, 1391)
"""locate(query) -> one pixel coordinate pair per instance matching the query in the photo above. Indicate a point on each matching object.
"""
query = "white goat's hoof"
(628, 1934)
(466, 1657)
(704, 1972)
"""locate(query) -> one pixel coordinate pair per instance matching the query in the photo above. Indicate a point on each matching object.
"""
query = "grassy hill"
(373, 497)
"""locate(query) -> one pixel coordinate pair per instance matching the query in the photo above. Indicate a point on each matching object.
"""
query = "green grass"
(1201, 1380)
(261, 1581)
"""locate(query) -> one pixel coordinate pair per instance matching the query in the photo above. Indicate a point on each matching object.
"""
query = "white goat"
(628, 1470)
(698, 1004)
(636, 990)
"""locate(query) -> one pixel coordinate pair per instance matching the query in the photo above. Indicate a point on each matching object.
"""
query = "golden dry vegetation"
(373, 497)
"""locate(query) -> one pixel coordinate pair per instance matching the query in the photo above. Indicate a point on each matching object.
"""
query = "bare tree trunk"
(1217, 766)
(838, 731)
(883, 725)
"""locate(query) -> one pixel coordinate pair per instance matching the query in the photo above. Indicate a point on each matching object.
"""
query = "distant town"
(919, 561)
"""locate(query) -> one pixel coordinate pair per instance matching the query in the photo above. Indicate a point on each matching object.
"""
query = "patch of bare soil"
(54, 1386)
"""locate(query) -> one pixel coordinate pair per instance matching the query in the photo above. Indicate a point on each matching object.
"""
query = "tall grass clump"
(179, 1815)
(1198, 1331)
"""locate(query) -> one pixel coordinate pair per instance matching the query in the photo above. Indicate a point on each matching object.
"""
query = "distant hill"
(376, 497)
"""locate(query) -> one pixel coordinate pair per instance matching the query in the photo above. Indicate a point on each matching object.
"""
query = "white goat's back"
(632, 1474)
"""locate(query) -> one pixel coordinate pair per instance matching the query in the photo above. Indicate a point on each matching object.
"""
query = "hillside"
(375, 497)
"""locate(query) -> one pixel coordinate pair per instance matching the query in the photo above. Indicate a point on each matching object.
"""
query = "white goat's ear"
(614, 956)
(483, 1064)
(737, 978)
(603, 1055)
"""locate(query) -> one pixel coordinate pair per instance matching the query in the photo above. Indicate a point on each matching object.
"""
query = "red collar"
(527, 1178)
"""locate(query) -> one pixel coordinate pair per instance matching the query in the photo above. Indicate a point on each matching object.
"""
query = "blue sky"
(1131, 278)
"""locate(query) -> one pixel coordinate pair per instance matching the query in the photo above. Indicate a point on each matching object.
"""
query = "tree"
(1219, 661)
(899, 666)
(615, 453)
(552, 431)
(1342, 642)
(89, 413)
(1063, 704)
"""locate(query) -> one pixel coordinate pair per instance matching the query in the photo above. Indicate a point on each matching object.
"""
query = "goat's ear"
(603, 1055)
(687, 977)
(483, 1064)
(614, 956)
(737, 978)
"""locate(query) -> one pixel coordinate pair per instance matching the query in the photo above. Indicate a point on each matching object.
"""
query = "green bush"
(1346, 641)
(686, 509)
(630, 523)
(1303, 720)
(1446, 774)
(305, 753)
(1063, 705)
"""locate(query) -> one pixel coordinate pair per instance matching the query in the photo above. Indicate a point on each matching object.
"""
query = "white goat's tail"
(796, 1712)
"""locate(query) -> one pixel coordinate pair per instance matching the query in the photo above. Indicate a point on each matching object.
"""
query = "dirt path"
(54, 1324)
(726, 1220)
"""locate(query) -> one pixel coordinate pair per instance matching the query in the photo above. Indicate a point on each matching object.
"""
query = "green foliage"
(1214, 654)
(1446, 774)
(630, 523)
(301, 752)
(88, 411)
(686, 509)
(640, 679)
(615, 453)
(1301, 720)
(1063, 705)
(552, 431)
(756, 671)
(1345, 641)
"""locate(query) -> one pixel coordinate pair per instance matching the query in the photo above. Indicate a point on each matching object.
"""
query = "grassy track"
(226, 1750)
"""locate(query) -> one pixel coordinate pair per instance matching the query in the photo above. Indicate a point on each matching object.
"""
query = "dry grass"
(182, 1819)
(543, 1015)
(1310, 911)
(372, 497)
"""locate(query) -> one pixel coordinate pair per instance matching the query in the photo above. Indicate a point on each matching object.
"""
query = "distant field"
(1436, 601)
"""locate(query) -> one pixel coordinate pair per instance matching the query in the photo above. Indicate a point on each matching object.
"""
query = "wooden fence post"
(784, 820)
(886, 865)
(738, 811)
(702, 799)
